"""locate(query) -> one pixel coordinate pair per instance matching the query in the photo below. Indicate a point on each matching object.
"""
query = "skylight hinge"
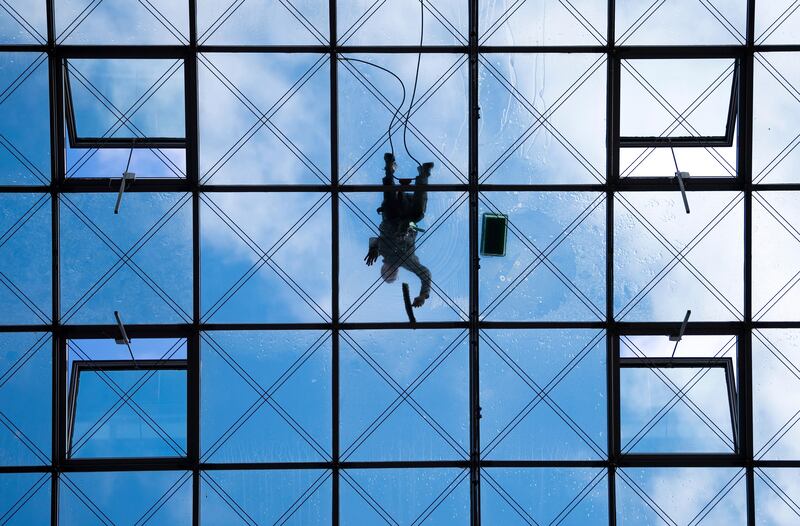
(123, 339)
(127, 175)
(677, 338)
(680, 176)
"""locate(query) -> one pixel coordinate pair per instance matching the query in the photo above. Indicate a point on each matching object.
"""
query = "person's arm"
(372, 253)
(413, 264)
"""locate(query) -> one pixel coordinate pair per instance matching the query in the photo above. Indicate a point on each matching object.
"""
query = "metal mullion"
(745, 172)
(612, 179)
(333, 65)
(57, 163)
(474, 265)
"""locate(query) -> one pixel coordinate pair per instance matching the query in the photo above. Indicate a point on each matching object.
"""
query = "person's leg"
(389, 205)
(421, 192)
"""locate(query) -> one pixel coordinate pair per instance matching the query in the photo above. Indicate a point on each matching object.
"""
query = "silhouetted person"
(400, 211)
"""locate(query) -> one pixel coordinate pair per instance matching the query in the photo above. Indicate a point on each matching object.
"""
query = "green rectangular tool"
(494, 230)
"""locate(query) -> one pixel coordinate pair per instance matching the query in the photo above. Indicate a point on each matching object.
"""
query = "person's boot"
(424, 170)
(389, 164)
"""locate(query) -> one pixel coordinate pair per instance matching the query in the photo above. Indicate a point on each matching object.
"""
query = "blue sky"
(553, 270)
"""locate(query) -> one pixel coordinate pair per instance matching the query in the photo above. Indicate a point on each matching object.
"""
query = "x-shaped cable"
(542, 257)
(657, 4)
(401, 119)
(265, 396)
(234, 6)
(680, 394)
(778, 491)
(795, 94)
(679, 118)
(125, 257)
(541, 119)
(514, 6)
(373, 8)
(404, 395)
(422, 238)
(9, 373)
(8, 145)
(20, 503)
(125, 399)
(376, 506)
(81, 17)
(17, 17)
(266, 257)
(522, 511)
(679, 257)
(248, 519)
(776, 24)
(542, 394)
(124, 118)
(143, 519)
(795, 279)
(6, 236)
(263, 119)
(783, 430)
(664, 516)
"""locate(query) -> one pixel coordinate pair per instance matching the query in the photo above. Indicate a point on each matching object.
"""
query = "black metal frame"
(76, 141)
(721, 141)
(721, 362)
(79, 366)
(741, 108)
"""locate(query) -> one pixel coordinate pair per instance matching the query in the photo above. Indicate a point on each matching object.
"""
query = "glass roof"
(244, 275)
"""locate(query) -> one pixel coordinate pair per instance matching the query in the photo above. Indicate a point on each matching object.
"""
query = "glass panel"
(776, 381)
(437, 497)
(403, 395)
(130, 98)
(680, 22)
(442, 249)
(266, 257)
(678, 397)
(776, 248)
(144, 253)
(777, 492)
(543, 394)
(555, 257)
(681, 496)
(266, 396)
(541, 118)
(655, 92)
(262, 22)
(150, 22)
(24, 97)
(543, 23)
(365, 22)
(25, 259)
(776, 22)
(23, 23)
(544, 496)
(126, 402)
(249, 134)
(157, 497)
(25, 498)
(25, 370)
(677, 99)
(266, 497)
(776, 111)
(371, 101)
(667, 261)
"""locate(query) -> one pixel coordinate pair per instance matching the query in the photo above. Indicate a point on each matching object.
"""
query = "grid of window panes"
(189, 333)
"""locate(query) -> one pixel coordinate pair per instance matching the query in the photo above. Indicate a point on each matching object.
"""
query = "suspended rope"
(416, 78)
